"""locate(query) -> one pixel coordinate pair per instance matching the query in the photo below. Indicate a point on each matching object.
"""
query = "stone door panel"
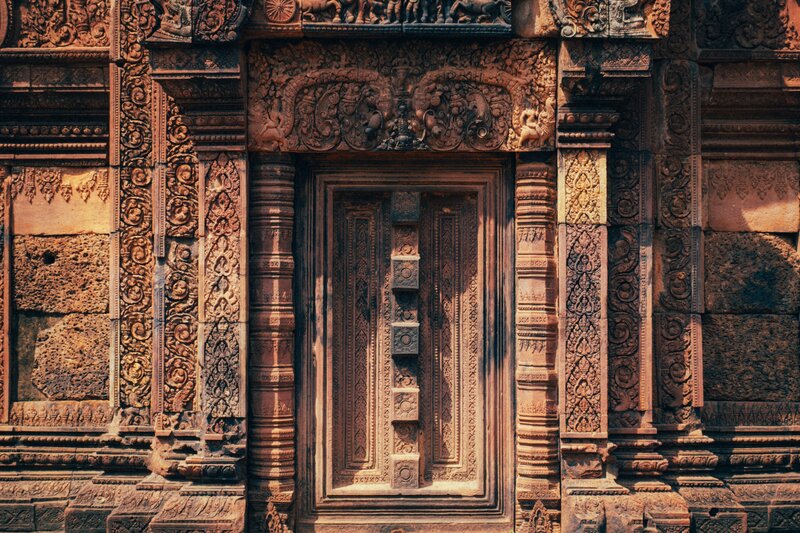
(403, 390)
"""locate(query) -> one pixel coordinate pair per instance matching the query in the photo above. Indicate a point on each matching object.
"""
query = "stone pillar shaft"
(272, 322)
(536, 338)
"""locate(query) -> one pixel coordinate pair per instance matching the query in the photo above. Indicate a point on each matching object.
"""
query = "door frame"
(495, 511)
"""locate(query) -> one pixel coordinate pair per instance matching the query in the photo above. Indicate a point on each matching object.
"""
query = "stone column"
(536, 343)
(271, 466)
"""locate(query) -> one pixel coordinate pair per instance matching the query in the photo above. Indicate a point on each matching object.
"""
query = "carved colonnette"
(272, 340)
(536, 338)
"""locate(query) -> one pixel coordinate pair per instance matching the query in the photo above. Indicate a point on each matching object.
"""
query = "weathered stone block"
(71, 359)
(753, 195)
(61, 274)
(751, 358)
(405, 471)
(60, 201)
(26, 331)
(751, 273)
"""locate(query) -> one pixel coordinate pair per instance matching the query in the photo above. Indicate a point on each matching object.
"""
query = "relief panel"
(319, 97)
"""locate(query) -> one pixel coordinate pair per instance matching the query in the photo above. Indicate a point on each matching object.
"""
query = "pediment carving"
(612, 18)
(313, 97)
(204, 21)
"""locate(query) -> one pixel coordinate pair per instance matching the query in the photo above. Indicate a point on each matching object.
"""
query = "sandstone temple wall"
(400, 265)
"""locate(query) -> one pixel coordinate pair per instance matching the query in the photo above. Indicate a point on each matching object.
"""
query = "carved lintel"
(407, 107)
(279, 18)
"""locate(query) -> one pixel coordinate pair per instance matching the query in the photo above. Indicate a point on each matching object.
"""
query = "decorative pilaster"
(595, 78)
(583, 278)
(271, 464)
(536, 343)
(130, 157)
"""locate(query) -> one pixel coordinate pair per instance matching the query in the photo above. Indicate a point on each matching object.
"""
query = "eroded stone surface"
(71, 358)
(751, 357)
(751, 273)
(61, 274)
(26, 329)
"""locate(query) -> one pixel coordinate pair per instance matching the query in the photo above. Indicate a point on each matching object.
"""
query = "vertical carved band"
(536, 337)
(5, 290)
(223, 274)
(175, 214)
(132, 239)
(175, 206)
(272, 324)
(629, 272)
(679, 244)
(583, 278)
(405, 338)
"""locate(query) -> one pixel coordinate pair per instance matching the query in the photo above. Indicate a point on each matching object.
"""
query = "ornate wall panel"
(345, 96)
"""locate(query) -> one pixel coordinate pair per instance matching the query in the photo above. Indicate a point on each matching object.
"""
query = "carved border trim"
(5, 293)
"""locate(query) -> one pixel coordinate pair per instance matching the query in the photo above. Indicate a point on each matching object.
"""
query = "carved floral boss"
(425, 96)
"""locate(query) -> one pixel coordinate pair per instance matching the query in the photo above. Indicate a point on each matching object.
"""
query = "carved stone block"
(61, 274)
(751, 357)
(405, 338)
(405, 273)
(405, 471)
(17, 517)
(753, 196)
(405, 405)
(751, 273)
(71, 359)
(405, 207)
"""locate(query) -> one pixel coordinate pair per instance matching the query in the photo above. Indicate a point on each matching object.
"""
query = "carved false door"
(404, 376)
